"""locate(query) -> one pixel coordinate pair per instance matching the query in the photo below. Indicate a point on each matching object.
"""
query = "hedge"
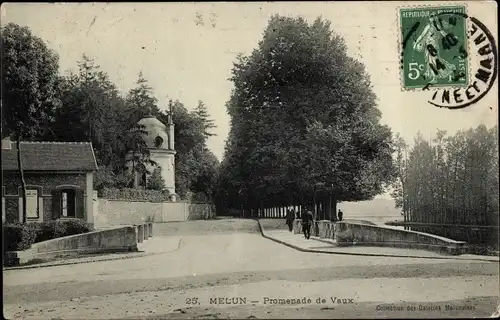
(135, 195)
(18, 236)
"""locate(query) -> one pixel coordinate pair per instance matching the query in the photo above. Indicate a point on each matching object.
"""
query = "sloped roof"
(51, 156)
(153, 128)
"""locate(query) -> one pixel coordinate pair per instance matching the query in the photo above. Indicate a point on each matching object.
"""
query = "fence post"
(140, 233)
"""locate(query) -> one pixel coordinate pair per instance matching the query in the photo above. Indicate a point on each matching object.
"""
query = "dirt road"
(232, 272)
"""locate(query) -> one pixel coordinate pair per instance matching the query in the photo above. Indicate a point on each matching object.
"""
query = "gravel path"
(231, 264)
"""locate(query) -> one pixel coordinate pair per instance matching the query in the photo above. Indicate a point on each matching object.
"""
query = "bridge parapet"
(369, 235)
(348, 233)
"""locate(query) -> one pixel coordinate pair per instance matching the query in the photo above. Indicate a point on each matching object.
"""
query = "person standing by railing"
(290, 216)
(307, 220)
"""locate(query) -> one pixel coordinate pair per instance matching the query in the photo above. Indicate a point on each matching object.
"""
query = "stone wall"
(115, 212)
(117, 239)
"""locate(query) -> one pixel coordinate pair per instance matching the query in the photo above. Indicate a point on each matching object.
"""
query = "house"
(58, 177)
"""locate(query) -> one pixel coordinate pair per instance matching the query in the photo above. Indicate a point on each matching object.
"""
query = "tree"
(205, 179)
(207, 124)
(29, 88)
(141, 101)
(400, 184)
(303, 115)
(453, 180)
(140, 154)
(93, 111)
(155, 181)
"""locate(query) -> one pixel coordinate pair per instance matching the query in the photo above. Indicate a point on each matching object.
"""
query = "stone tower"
(160, 142)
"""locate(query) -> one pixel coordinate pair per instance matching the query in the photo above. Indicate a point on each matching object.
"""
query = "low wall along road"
(359, 234)
(113, 239)
(115, 212)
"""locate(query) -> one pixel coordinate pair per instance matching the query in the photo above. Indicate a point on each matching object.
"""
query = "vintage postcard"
(328, 160)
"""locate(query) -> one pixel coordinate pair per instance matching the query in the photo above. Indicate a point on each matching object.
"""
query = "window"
(68, 201)
(158, 142)
(32, 203)
(64, 204)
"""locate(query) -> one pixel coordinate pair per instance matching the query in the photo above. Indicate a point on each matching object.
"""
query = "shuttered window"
(68, 203)
(79, 204)
(64, 203)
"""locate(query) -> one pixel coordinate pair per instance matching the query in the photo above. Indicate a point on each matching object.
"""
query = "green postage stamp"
(434, 47)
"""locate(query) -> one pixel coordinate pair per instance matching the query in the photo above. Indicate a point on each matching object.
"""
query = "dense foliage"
(304, 124)
(39, 103)
(19, 236)
(451, 180)
(129, 194)
(30, 85)
(30, 82)
(156, 182)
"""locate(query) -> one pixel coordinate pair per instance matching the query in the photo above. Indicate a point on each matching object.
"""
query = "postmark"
(449, 54)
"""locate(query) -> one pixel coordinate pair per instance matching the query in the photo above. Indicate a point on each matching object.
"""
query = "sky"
(186, 51)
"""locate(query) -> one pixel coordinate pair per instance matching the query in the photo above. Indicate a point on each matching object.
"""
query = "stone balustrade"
(369, 235)
(359, 234)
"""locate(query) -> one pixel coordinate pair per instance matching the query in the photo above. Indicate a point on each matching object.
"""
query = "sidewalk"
(152, 246)
(317, 245)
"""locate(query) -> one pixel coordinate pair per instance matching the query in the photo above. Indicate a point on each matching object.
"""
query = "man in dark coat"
(340, 215)
(290, 216)
(307, 220)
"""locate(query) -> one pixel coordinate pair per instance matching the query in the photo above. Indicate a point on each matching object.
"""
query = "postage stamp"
(448, 53)
(434, 47)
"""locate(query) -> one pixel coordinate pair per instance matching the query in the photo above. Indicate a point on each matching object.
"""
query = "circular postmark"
(449, 54)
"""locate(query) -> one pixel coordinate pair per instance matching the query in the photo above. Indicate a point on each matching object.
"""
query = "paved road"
(234, 261)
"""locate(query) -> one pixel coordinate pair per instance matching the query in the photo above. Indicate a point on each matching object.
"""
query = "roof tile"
(51, 156)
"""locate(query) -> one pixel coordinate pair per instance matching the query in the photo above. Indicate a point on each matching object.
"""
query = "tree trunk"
(315, 211)
(21, 173)
(333, 203)
(329, 207)
(323, 211)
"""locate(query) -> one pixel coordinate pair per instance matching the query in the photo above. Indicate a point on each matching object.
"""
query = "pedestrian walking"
(340, 215)
(290, 216)
(307, 220)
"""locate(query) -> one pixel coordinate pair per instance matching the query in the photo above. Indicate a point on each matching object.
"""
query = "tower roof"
(157, 136)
